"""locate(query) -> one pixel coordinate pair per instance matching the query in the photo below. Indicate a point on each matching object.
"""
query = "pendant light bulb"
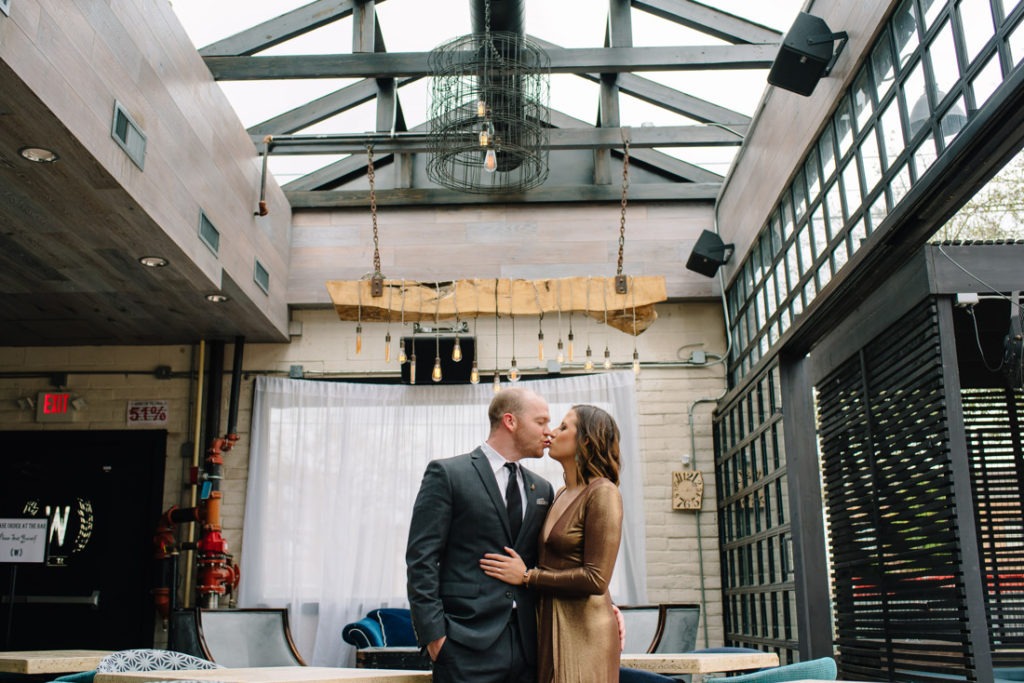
(570, 345)
(588, 364)
(412, 368)
(607, 359)
(513, 372)
(402, 358)
(456, 351)
(359, 339)
(540, 346)
(497, 382)
(435, 374)
(490, 161)
(481, 108)
(387, 347)
(474, 374)
(636, 362)
(485, 139)
(560, 357)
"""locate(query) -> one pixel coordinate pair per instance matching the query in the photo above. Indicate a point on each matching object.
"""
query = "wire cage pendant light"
(489, 115)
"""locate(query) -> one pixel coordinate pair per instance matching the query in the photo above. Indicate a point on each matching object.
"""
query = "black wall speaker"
(805, 55)
(708, 254)
(427, 348)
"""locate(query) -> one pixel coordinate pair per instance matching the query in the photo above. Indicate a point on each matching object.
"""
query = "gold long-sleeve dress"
(578, 635)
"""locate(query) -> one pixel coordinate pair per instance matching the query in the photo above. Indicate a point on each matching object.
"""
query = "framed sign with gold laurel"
(687, 490)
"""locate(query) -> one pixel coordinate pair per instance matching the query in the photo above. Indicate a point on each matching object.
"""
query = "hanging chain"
(377, 283)
(488, 41)
(620, 280)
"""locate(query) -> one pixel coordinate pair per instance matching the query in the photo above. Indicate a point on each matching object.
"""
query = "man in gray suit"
(477, 629)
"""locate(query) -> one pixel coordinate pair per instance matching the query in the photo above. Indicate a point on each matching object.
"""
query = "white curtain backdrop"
(333, 472)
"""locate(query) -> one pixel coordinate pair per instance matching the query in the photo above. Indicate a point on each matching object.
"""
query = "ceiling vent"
(208, 233)
(261, 276)
(128, 135)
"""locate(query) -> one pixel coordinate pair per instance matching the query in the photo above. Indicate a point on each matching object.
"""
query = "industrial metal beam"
(569, 60)
(709, 20)
(282, 28)
(558, 139)
(567, 193)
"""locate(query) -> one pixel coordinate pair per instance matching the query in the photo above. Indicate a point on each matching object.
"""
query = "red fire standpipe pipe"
(165, 550)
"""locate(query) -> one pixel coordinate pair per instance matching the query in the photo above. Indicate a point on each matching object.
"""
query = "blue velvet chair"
(821, 669)
(383, 627)
(384, 639)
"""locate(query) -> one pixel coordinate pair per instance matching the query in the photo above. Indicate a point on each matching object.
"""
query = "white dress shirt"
(497, 462)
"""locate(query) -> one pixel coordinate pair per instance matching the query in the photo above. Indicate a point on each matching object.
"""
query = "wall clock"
(687, 490)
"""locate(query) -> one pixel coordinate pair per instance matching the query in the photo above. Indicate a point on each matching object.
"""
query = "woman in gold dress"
(578, 631)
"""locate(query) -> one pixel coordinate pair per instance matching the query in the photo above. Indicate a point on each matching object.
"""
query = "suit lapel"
(490, 482)
(536, 504)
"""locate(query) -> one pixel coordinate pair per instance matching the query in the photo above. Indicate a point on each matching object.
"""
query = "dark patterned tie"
(513, 501)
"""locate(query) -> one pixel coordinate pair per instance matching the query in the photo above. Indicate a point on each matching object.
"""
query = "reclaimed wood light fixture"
(623, 302)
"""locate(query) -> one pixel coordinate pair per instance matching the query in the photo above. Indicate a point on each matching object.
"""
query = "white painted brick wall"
(681, 566)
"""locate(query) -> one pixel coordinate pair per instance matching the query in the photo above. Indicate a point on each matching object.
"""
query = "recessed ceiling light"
(153, 261)
(217, 298)
(38, 154)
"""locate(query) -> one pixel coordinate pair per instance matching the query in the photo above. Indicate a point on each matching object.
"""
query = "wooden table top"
(272, 674)
(50, 661)
(699, 662)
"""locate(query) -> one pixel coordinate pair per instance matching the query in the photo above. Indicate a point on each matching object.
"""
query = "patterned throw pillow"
(152, 660)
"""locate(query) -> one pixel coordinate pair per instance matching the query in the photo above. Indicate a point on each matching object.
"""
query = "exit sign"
(54, 406)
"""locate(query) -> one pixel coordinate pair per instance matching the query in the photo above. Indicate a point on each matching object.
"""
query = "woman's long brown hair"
(597, 444)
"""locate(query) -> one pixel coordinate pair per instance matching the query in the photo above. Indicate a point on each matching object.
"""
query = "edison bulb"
(636, 362)
(588, 364)
(474, 374)
(359, 339)
(484, 138)
(570, 347)
(412, 369)
(387, 347)
(402, 358)
(497, 382)
(513, 372)
(481, 108)
(540, 346)
(456, 351)
(560, 357)
(607, 359)
(435, 374)
(490, 161)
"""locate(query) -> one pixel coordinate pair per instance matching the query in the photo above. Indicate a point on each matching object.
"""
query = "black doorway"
(102, 492)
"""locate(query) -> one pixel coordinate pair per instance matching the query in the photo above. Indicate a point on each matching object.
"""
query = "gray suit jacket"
(459, 515)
